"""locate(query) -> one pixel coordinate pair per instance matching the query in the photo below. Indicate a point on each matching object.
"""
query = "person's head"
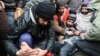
(84, 9)
(61, 5)
(71, 20)
(44, 12)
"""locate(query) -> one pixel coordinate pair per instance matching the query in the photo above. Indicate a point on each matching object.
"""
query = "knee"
(25, 36)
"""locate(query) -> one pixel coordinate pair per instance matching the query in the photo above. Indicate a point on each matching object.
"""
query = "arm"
(94, 32)
(94, 4)
(22, 22)
(49, 42)
(51, 39)
(56, 25)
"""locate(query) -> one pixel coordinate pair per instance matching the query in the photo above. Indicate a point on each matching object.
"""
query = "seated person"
(59, 18)
(70, 38)
(84, 17)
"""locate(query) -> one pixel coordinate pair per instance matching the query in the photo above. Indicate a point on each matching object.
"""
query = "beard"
(85, 13)
(41, 26)
(69, 26)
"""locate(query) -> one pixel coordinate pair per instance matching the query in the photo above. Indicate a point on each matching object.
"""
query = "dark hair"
(59, 4)
(84, 5)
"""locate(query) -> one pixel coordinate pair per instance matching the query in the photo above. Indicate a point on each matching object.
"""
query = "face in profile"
(43, 22)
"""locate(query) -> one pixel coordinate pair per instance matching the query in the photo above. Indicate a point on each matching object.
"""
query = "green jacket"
(94, 33)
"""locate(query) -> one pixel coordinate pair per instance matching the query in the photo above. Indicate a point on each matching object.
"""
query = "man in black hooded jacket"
(37, 22)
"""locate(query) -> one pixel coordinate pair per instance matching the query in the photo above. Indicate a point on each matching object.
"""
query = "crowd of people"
(49, 27)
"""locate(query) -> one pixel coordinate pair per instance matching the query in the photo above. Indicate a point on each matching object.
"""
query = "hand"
(69, 32)
(24, 48)
(77, 33)
(82, 35)
(34, 52)
(60, 38)
(29, 51)
(18, 13)
(42, 52)
(19, 53)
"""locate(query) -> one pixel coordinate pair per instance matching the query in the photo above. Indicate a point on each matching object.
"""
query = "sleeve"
(56, 25)
(22, 22)
(51, 39)
(94, 4)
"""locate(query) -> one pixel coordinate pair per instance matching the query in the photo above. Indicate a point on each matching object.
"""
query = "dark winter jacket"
(28, 23)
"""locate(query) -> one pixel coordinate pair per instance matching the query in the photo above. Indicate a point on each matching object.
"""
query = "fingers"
(24, 46)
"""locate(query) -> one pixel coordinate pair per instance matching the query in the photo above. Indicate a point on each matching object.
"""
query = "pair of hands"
(78, 33)
(71, 33)
(17, 13)
(27, 51)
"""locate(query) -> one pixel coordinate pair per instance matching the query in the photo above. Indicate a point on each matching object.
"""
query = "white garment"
(83, 21)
